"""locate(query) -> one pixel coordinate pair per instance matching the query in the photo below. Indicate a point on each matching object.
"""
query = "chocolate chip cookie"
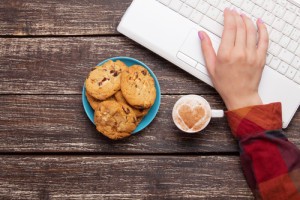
(105, 81)
(115, 120)
(138, 112)
(92, 101)
(95, 102)
(138, 87)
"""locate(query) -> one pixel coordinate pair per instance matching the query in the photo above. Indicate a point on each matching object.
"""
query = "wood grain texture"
(140, 177)
(48, 123)
(60, 65)
(56, 17)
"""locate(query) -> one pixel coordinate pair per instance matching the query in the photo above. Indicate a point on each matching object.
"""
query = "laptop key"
(258, 11)
(297, 52)
(175, 5)
(269, 58)
(212, 26)
(291, 7)
(286, 56)
(297, 77)
(165, 2)
(283, 67)
(275, 35)
(214, 3)
(287, 29)
(213, 12)
(192, 3)
(278, 24)
(220, 18)
(224, 4)
(186, 10)
(196, 16)
(291, 72)
(289, 17)
(274, 63)
(297, 22)
(279, 11)
(248, 6)
(292, 46)
(295, 34)
(269, 5)
(284, 41)
(296, 62)
(274, 48)
(268, 18)
(202, 6)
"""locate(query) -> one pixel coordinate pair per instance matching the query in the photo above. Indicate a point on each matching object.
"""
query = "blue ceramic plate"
(152, 112)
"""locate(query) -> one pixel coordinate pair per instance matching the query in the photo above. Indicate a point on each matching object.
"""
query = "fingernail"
(227, 9)
(260, 21)
(201, 35)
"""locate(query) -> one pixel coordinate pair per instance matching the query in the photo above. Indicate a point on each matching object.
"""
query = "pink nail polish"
(260, 21)
(201, 35)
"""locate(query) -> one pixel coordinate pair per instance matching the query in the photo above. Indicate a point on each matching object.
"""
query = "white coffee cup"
(192, 113)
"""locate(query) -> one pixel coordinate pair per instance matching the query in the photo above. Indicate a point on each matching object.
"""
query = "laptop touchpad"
(192, 47)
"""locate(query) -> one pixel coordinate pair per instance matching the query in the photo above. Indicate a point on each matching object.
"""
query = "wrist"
(241, 102)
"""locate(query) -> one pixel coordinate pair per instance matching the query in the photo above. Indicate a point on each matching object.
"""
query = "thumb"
(208, 52)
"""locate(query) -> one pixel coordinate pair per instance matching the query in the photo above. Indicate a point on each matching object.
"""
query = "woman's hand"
(237, 68)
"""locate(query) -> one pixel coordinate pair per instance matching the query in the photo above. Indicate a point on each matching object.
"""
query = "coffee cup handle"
(217, 113)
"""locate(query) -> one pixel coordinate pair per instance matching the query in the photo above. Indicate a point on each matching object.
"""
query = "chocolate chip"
(112, 71)
(116, 74)
(144, 72)
(140, 107)
(126, 110)
(104, 79)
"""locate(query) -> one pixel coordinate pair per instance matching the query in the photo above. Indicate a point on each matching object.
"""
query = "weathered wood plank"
(146, 177)
(60, 65)
(56, 17)
(47, 123)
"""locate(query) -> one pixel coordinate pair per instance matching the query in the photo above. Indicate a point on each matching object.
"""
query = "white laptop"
(170, 29)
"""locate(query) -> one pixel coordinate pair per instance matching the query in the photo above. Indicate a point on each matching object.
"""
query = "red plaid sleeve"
(271, 164)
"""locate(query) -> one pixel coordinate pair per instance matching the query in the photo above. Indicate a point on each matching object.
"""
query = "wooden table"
(49, 148)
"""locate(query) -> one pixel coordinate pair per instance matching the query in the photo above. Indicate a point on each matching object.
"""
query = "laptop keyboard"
(281, 17)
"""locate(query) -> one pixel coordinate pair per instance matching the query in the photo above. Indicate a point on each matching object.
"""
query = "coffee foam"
(191, 113)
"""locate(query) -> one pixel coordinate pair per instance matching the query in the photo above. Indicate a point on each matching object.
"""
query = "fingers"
(208, 52)
(241, 34)
(229, 33)
(251, 34)
(263, 40)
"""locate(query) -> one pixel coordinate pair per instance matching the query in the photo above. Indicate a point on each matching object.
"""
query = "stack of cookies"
(120, 96)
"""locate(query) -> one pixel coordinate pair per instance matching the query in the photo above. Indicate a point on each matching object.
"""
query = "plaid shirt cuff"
(254, 119)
